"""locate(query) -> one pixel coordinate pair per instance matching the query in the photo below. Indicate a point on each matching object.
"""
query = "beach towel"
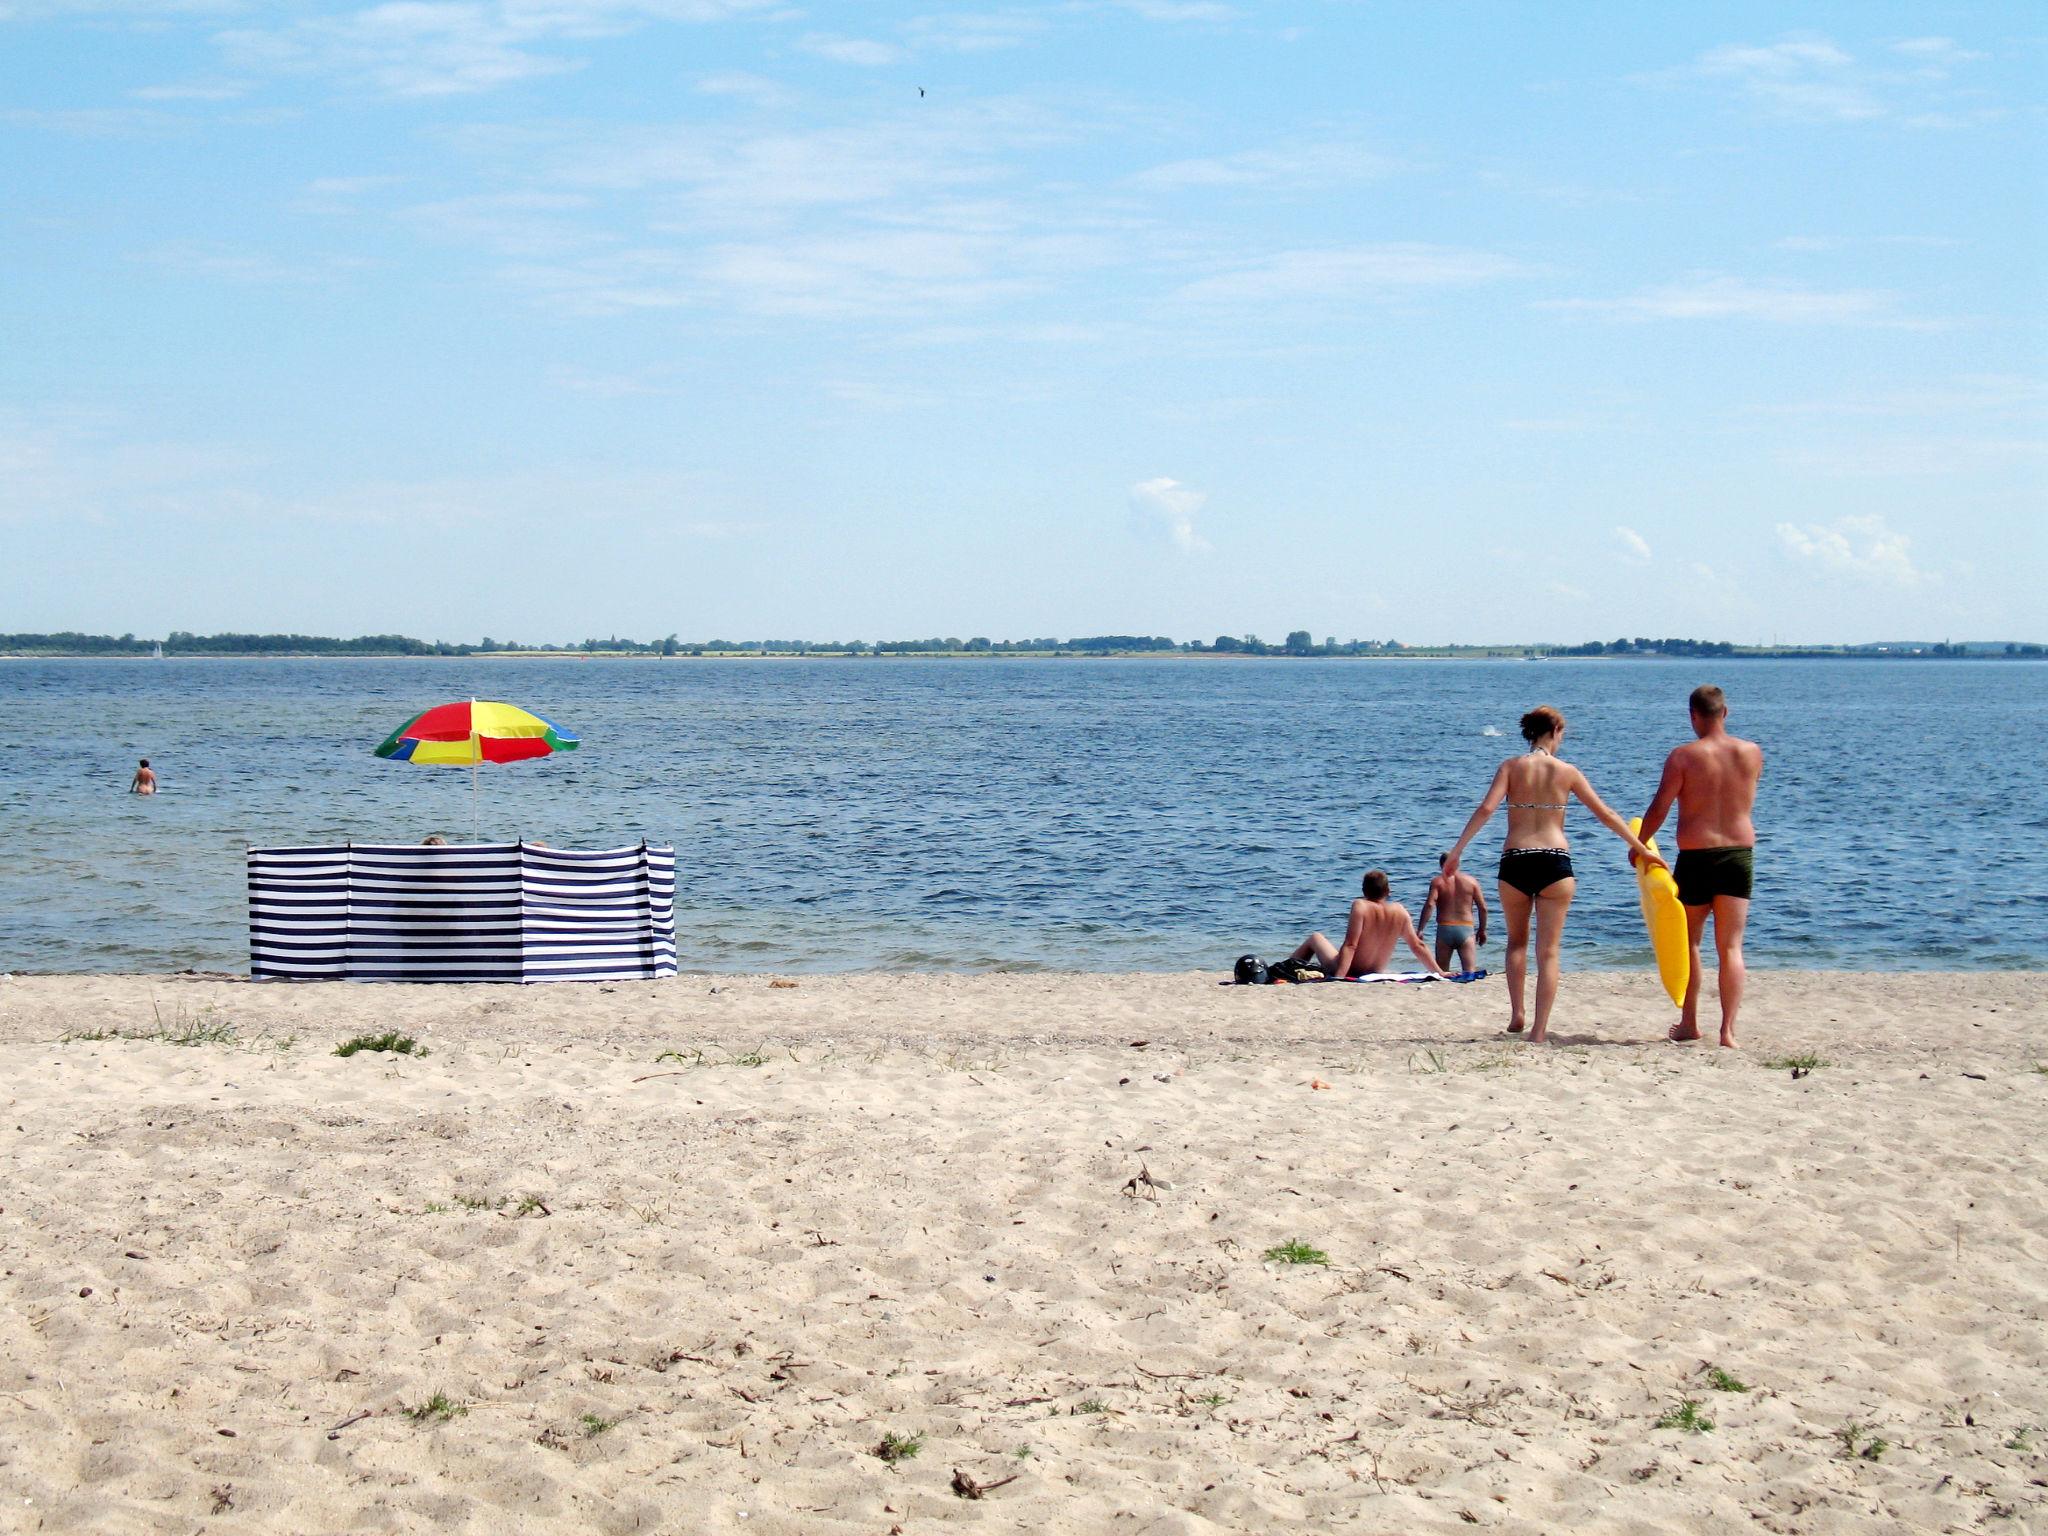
(1398, 976)
(1456, 976)
(515, 912)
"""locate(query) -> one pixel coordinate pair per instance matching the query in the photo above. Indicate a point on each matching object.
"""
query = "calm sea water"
(1094, 815)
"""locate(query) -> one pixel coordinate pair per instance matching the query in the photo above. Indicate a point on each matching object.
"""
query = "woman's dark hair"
(1540, 722)
(145, 762)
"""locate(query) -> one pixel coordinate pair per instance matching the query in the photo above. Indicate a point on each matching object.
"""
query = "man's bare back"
(1453, 898)
(1714, 781)
(1376, 925)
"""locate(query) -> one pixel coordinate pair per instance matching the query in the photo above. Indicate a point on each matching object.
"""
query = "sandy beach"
(677, 1257)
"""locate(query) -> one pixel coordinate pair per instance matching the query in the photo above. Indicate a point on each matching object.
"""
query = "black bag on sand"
(1292, 970)
(1249, 971)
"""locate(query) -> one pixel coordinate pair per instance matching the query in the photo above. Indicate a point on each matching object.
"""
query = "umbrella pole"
(475, 822)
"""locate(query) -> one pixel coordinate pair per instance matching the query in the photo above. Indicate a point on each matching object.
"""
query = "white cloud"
(1813, 79)
(1935, 54)
(1802, 79)
(1634, 546)
(435, 48)
(1299, 167)
(520, 223)
(1733, 298)
(228, 264)
(745, 86)
(1164, 508)
(2006, 396)
(1332, 272)
(974, 31)
(196, 90)
(1865, 548)
(1178, 10)
(863, 52)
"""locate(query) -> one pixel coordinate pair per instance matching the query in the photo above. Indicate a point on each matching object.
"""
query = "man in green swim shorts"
(1713, 780)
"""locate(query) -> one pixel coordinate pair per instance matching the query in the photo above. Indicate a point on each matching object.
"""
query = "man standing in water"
(1713, 780)
(1454, 898)
(144, 782)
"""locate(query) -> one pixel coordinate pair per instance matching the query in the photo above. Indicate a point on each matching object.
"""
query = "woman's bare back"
(1539, 787)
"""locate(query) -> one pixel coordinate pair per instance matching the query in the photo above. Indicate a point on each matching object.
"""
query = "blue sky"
(543, 318)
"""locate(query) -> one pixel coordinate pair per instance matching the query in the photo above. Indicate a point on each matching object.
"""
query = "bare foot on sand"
(1516, 1026)
(1682, 1031)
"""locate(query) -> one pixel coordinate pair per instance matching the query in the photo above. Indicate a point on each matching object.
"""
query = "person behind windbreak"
(1536, 879)
(1377, 924)
(1713, 779)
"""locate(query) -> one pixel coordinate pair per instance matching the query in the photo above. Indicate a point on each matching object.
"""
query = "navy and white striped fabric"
(481, 912)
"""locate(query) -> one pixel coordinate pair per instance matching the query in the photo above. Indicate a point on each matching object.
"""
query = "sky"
(1445, 322)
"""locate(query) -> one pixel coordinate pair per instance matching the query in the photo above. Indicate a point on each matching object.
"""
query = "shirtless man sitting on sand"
(1455, 898)
(1376, 923)
(1713, 780)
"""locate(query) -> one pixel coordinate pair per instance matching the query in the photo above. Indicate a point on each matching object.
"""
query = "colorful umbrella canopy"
(472, 731)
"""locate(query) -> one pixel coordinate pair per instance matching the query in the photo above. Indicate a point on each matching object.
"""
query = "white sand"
(913, 1217)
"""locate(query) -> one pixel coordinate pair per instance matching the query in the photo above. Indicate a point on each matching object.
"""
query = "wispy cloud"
(1996, 395)
(97, 122)
(194, 90)
(523, 223)
(227, 264)
(1355, 270)
(1733, 298)
(1634, 547)
(1812, 78)
(430, 48)
(1178, 11)
(1863, 548)
(1297, 167)
(864, 52)
(746, 86)
(1163, 508)
(1936, 55)
(1804, 78)
(975, 31)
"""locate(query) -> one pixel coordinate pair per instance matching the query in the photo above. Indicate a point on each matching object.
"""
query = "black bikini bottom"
(1532, 870)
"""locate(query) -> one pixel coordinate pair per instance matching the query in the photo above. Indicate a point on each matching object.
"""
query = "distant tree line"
(1644, 647)
(1298, 643)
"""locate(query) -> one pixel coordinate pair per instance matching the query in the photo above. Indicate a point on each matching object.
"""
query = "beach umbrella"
(472, 732)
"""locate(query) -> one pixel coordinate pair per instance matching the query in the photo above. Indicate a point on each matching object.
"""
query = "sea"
(1008, 814)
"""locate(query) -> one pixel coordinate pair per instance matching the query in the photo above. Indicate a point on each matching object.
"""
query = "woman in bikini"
(1536, 864)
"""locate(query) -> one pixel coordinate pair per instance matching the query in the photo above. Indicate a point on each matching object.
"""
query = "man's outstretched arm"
(1415, 943)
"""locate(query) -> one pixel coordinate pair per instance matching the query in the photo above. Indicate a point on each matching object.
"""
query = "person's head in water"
(1374, 886)
(1542, 723)
(434, 840)
(145, 762)
(1709, 706)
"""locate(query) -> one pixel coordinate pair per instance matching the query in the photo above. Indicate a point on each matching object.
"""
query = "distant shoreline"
(1299, 644)
(1406, 653)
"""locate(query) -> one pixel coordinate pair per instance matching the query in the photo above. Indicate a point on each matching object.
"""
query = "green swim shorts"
(1704, 873)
